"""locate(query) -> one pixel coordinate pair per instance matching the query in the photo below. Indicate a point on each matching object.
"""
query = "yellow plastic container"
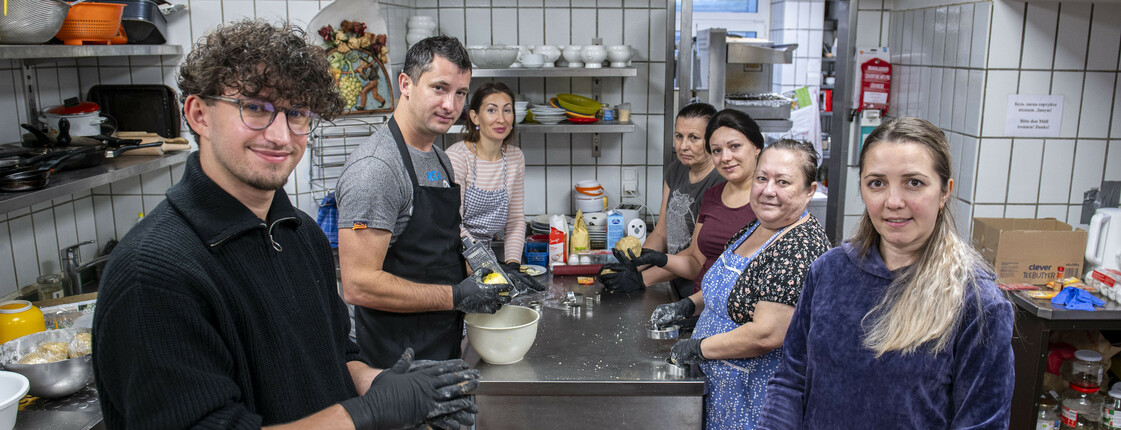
(19, 318)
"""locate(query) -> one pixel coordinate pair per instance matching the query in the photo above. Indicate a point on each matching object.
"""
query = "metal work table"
(1035, 319)
(594, 368)
(78, 411)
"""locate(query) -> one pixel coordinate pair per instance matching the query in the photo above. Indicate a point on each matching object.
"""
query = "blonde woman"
(902, 326)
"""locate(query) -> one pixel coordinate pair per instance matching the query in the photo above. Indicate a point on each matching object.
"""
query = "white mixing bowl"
(13, 387)
(504, 337)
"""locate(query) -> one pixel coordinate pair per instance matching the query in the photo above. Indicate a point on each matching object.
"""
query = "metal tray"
(151, 108)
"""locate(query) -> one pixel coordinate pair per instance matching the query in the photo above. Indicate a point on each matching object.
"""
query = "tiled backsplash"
(951, 69)
(30, 238)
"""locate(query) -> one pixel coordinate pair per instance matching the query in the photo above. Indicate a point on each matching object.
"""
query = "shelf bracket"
(595, 145)
(29, 84)
(595, 89)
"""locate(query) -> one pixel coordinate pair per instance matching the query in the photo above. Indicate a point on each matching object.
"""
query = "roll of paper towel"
(637, 228)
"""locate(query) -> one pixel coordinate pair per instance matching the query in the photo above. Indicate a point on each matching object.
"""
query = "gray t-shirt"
(374, 188)
(684, 204)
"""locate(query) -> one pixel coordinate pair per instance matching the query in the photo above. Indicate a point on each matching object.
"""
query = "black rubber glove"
(673, 313)
(523, 283)
(648, 256)
(453, 421)
(626, 278)
(403, 396)
(474, 297)
(687, 351)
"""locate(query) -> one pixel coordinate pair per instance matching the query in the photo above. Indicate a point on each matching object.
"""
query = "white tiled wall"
(30, 238)
(1006, 47)
(561, 159)
(801, 22)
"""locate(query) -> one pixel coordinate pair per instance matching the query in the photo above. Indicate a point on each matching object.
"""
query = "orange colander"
(91, 22)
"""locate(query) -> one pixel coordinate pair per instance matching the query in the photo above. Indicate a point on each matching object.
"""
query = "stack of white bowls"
(519, 111)
(420, 27)
(547, 114)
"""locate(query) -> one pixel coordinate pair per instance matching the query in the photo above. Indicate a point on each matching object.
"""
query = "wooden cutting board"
(176, 144)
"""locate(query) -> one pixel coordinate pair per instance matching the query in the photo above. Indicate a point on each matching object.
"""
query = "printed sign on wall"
(1034, 115)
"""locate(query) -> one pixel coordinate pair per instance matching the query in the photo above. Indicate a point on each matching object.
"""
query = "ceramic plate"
(582, 120)
(533, 269)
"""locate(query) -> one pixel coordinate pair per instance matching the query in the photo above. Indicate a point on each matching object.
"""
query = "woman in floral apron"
(491, 175)
(749, 294)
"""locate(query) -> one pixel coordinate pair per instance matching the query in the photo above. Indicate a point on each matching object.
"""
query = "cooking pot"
(85, 118)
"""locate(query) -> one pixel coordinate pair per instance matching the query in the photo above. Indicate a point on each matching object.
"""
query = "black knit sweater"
(209, 317)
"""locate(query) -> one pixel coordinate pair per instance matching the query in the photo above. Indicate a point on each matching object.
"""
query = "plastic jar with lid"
(1084, 370)
(1082, 408)
(1111, 409)
(19, 318)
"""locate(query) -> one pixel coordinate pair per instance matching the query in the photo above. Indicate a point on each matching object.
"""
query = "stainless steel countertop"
(1044, 309)
(601, 350)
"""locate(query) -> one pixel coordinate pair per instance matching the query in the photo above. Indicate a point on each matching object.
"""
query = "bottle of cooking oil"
(1082, 404)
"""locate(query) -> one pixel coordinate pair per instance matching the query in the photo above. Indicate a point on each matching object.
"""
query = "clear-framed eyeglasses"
(259, 115)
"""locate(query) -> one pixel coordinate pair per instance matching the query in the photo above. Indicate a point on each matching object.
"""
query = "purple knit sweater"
(828, 380)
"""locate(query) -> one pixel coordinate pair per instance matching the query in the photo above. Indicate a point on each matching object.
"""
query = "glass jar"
(19, 318)
(608, 113)
(1082, 408)
(1111, 410)
(1084, 370)
(49, 287)
(1048, 418)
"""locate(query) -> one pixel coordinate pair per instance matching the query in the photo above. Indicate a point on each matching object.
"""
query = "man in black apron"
(399, 245)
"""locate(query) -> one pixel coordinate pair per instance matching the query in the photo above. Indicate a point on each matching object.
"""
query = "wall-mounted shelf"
(552, 72)
(65, 183)
(599, 127)
(29, 55)
(57, 52)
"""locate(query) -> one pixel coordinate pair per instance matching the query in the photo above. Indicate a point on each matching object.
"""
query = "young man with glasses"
(220, 309)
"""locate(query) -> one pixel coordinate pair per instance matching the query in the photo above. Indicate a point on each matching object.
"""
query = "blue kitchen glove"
(1077, 299)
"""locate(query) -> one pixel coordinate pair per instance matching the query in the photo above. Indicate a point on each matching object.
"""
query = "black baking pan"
(150, 108)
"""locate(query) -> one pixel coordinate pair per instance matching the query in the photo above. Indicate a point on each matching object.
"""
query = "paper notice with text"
(1034, 115)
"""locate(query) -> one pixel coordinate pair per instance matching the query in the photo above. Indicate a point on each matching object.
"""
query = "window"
(745, 18)
(749, 6)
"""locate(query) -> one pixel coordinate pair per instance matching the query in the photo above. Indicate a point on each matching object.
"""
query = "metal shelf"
(66, 183)
(598, 127)
(54, 52)
(550, 72)
(775, 125)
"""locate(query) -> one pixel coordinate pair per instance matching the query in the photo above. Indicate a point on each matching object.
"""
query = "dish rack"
(331, 144)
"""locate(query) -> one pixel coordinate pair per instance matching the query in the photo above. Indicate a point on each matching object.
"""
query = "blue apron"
(735, 387)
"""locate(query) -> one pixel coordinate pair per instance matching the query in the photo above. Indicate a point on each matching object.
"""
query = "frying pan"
(94, 155)
(31, 179)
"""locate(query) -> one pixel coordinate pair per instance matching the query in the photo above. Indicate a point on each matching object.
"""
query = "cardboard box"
(1029, 250)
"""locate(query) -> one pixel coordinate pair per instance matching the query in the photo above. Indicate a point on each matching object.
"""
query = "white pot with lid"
(85, 118)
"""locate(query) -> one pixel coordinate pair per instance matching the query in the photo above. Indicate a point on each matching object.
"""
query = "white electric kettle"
(1103, 244)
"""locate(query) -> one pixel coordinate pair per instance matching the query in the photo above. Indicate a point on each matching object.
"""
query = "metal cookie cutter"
(654, 332)
(673, 369)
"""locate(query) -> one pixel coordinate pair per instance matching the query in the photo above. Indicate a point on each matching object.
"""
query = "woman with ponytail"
(902, 326)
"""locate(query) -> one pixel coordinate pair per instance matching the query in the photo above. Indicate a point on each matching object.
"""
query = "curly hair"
(254, 56)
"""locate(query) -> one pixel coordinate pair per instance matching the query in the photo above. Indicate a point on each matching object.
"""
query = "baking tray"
(151, 108)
